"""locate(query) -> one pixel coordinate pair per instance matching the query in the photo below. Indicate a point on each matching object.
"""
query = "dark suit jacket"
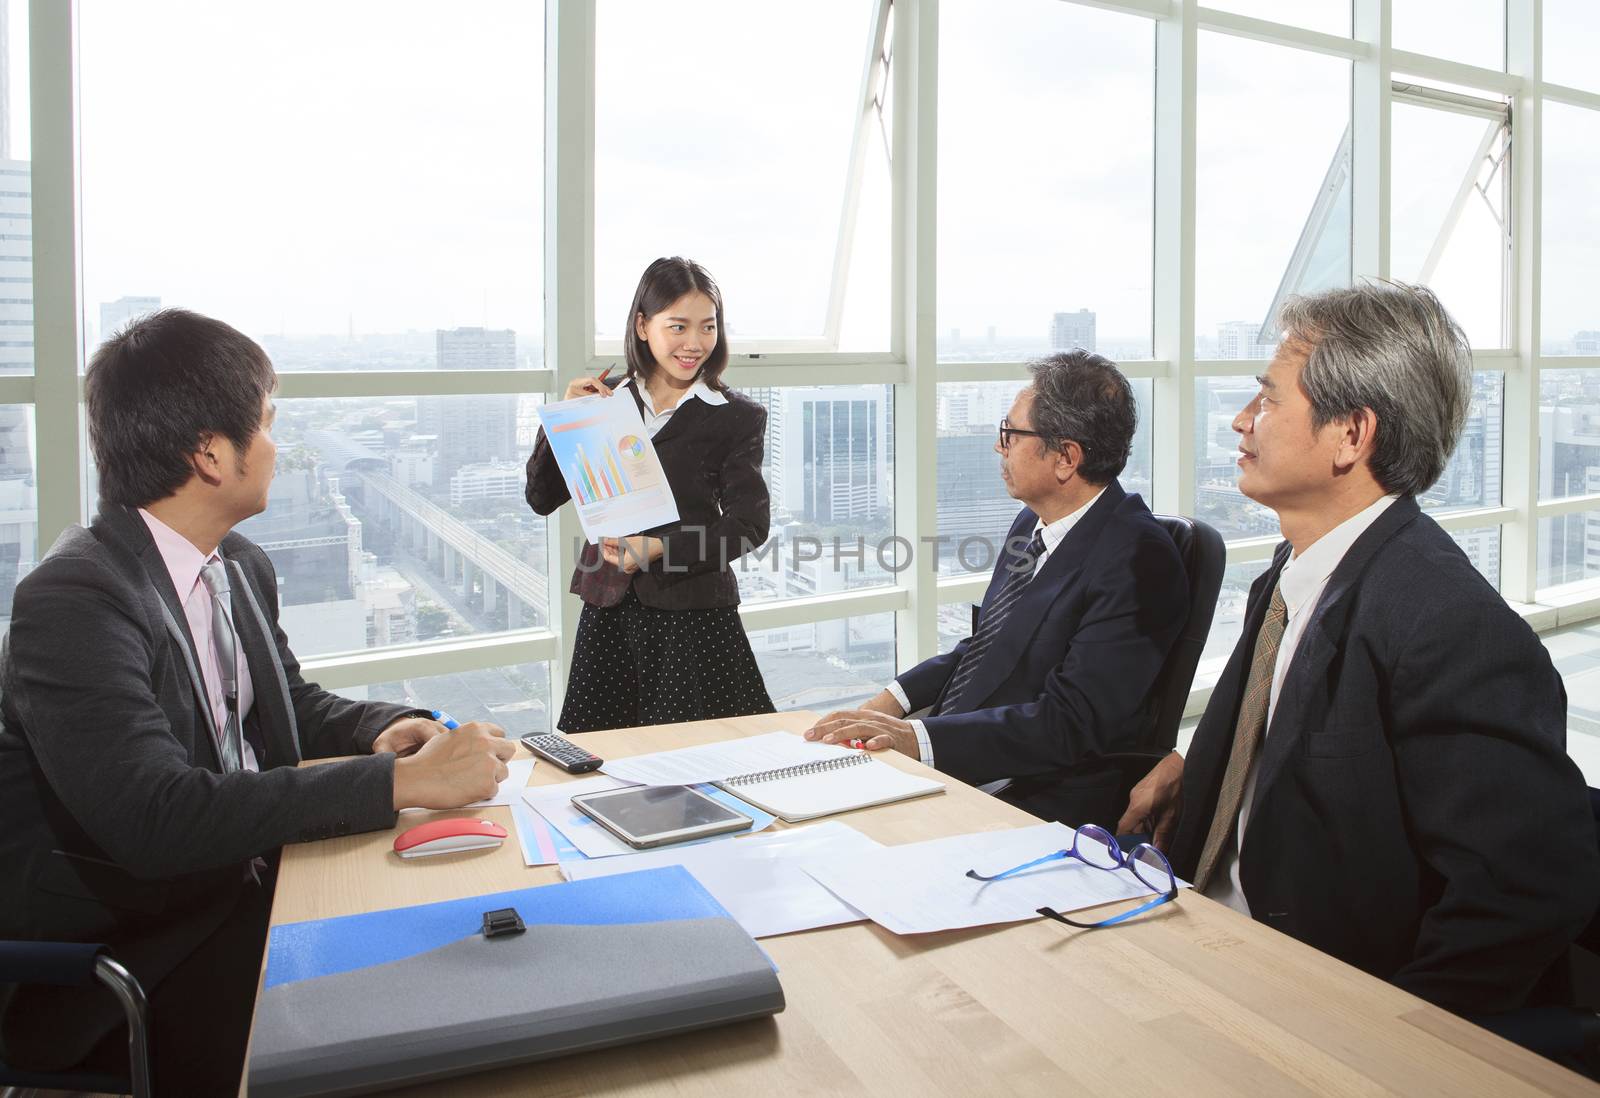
(1069, 677)
(712, 458)
(116, 823)
(1415, 811)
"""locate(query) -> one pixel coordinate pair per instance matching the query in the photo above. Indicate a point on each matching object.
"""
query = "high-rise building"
(1241, 340)
(1586, 343)
(1072, 330)
(116, 315)
(830, 462)
(471, 429)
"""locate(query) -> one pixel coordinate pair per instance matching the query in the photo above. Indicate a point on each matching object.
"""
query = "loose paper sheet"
(922, 887)
(759, 879)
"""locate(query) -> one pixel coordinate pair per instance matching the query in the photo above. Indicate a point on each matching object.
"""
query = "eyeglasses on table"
(1096, 847)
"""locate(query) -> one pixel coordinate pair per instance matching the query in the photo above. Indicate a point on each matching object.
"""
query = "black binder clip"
(504, 920)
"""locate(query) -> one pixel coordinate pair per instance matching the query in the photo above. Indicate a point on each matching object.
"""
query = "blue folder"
(417, 993)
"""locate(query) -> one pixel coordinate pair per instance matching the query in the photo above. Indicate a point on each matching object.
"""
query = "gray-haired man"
(1382, 770)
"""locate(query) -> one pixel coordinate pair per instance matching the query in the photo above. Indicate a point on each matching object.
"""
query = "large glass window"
(1217, 499)
(705, 146)
(1472, 477)
(345, 176)
(19, 503)
(16, 196)
(1471, 31)
(1045, 227)
(1570, 313)
(1328, 16)
(828, 464)
(1272, 197)
(516, 698)
(1448, 199)
(826, 665)
(1569, 549)
(1569, 433)
(1571, 44)
(975, 510)
(396, 520)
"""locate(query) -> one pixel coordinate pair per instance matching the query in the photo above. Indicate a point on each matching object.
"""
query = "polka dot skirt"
(635, 665)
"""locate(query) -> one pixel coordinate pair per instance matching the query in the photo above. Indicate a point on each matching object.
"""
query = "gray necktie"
(1017, 580)
(215, 577)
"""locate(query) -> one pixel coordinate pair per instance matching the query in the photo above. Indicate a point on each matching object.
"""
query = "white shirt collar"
(1054, 532)
(699, 390)
(1305, 573)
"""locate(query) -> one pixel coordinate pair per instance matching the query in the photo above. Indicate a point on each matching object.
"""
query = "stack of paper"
(713, 762)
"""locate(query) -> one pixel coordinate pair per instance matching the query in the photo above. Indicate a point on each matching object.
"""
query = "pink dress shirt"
(183, 563)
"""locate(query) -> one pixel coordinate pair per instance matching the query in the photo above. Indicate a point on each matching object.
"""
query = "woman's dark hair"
(663, 282)
(157, 390)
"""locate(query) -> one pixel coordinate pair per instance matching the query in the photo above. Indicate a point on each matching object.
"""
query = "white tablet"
(655, 815)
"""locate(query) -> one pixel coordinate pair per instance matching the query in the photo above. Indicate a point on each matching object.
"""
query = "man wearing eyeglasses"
(1088, 596)
(1381, 771)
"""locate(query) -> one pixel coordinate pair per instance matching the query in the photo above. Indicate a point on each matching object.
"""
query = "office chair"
(69, 964)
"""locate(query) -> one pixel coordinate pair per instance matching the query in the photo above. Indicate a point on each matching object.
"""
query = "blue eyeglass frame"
(1124, 860)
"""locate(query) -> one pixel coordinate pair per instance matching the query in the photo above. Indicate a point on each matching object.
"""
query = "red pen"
(861, 744)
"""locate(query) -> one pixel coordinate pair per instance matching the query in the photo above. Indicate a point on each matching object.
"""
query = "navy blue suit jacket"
(1069, 677)
(1415, 811)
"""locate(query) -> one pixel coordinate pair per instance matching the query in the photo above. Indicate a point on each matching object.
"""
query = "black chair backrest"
(1204, 556)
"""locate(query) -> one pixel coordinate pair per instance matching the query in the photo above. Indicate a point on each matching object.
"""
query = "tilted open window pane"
(754, 139)
(1045, 222)
(1448, 226)
(1272, 199)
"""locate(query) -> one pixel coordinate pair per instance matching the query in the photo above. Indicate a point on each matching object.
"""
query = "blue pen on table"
(446, 719)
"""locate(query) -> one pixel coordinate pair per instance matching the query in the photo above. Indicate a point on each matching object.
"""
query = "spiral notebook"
(842, 784)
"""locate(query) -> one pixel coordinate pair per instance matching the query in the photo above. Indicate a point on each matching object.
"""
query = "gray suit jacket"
(117, 824)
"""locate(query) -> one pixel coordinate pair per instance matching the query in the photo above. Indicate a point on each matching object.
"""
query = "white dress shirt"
(1052, 534)
(1302, 581)
(654, 420)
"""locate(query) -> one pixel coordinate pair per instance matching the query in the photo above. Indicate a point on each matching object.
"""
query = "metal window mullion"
(913, 185)
(1173, 438)
(57, 290)
(1371, 103)
(568, 269)
(1519, 541)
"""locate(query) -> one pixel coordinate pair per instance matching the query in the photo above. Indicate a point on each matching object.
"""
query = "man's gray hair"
(1390, 347)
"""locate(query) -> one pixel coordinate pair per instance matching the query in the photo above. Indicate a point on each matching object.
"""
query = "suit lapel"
(1054, 576)
(270, 685)
(1303, 696)
(130, 528)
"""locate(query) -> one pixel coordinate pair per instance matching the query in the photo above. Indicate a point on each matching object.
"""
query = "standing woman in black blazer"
(660, 640)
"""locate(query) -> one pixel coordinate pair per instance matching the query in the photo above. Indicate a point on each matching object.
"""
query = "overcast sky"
(304, 167)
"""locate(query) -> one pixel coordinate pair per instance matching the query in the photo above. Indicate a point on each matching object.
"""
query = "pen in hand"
(446, 719)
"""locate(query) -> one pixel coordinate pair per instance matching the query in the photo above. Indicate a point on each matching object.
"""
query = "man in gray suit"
(153, 718)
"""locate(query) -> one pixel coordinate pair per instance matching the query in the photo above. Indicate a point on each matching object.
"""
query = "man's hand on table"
(407, 735)
(454, 768)
(873, 730)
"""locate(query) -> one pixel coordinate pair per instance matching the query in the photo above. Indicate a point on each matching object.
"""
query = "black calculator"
(563, 752)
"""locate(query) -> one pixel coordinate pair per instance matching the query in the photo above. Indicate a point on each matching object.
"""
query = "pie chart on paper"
(631, 446)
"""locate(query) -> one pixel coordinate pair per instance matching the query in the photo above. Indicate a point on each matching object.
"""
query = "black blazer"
(1069, 678)
(1415, 811)
(116, 822)
(711, 455)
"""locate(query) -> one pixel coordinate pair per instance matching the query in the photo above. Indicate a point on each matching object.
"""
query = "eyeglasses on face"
(1007, 431)
(1095, 846)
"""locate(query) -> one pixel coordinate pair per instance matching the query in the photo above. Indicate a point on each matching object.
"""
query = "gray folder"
(480, 1003)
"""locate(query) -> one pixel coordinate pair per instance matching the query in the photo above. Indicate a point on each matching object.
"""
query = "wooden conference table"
(1192, 999)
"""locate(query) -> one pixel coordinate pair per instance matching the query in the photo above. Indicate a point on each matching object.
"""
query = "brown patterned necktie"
(1247, 734)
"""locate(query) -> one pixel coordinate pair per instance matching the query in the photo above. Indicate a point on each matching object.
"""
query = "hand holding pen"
(590, 386)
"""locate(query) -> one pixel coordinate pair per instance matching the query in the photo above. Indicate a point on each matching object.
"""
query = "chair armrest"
(62, 963)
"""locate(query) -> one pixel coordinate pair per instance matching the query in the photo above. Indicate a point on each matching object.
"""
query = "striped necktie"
(215, 577)
(1247, 734)
(994, 618)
